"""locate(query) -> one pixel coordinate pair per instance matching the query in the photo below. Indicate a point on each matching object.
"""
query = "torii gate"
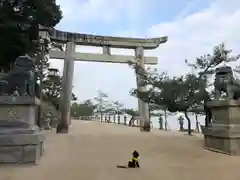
(106, 42)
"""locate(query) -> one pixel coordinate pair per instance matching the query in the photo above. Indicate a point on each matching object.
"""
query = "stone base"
(222, 138)
(21, 141)
(222, 145)
(21, 148)
(146, 127)
(54, 122)
(223, 134)
(62, 129)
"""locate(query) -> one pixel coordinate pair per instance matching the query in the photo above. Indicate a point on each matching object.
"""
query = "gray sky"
(193, 28)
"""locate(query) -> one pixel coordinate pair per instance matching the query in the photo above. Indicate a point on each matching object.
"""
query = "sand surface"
(92, 150)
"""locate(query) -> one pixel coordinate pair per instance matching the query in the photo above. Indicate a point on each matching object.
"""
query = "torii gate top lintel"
(100, 41)
(106, 42)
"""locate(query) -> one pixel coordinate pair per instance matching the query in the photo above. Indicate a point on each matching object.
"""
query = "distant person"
(181, 123)
(151, 124)
(160, 121)
(208, 114)
(131, 122)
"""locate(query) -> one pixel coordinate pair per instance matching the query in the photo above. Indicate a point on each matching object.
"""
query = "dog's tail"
(121, 166)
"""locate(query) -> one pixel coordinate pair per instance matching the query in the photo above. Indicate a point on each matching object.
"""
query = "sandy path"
(91, 151)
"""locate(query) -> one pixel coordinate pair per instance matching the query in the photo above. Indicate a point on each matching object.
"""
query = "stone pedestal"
(21, 141)
(47, 122)
(223, 134)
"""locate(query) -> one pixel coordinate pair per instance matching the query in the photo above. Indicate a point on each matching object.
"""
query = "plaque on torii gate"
(106, 42)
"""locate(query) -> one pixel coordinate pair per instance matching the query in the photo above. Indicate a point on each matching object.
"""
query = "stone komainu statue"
(225, 82)
(21, 77)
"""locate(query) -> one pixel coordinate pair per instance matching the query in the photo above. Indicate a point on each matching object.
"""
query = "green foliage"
(19, 22)
(117, 107)
(102, 105)
(177, 94)
(52, 87)
(180, 94)
(18, 26)
(131, 112)
(207, 63)
(83, 109)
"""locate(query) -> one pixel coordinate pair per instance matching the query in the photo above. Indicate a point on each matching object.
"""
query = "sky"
(193, 27)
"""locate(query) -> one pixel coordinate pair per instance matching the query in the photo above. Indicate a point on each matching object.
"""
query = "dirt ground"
(92, 150)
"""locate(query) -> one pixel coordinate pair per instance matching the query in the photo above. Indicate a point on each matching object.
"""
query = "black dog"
(133, 163)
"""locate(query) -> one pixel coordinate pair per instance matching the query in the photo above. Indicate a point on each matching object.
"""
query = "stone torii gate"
(106, 42)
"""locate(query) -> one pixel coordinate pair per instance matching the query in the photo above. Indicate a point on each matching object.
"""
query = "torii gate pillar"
(66, 94)
(142, 106)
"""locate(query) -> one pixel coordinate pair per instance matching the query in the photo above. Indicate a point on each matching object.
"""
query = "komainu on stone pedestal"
(222, 123)
(21, 141)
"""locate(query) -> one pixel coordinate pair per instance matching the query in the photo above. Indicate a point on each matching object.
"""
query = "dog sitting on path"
(133, 163)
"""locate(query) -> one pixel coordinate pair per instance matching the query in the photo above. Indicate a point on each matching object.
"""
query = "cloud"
(191, 34)
(196, 34)
(191, 7)
(84, 12)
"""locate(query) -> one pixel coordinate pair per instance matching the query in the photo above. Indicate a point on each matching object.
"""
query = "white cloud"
(103, 11)
(189, 36)
(196, 34)
(189, 8)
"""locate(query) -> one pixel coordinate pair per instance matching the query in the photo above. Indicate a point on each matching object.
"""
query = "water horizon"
(172, 121)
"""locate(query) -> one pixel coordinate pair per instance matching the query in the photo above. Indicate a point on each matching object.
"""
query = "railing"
(128, 121)
(121, 120)
(110, 119)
